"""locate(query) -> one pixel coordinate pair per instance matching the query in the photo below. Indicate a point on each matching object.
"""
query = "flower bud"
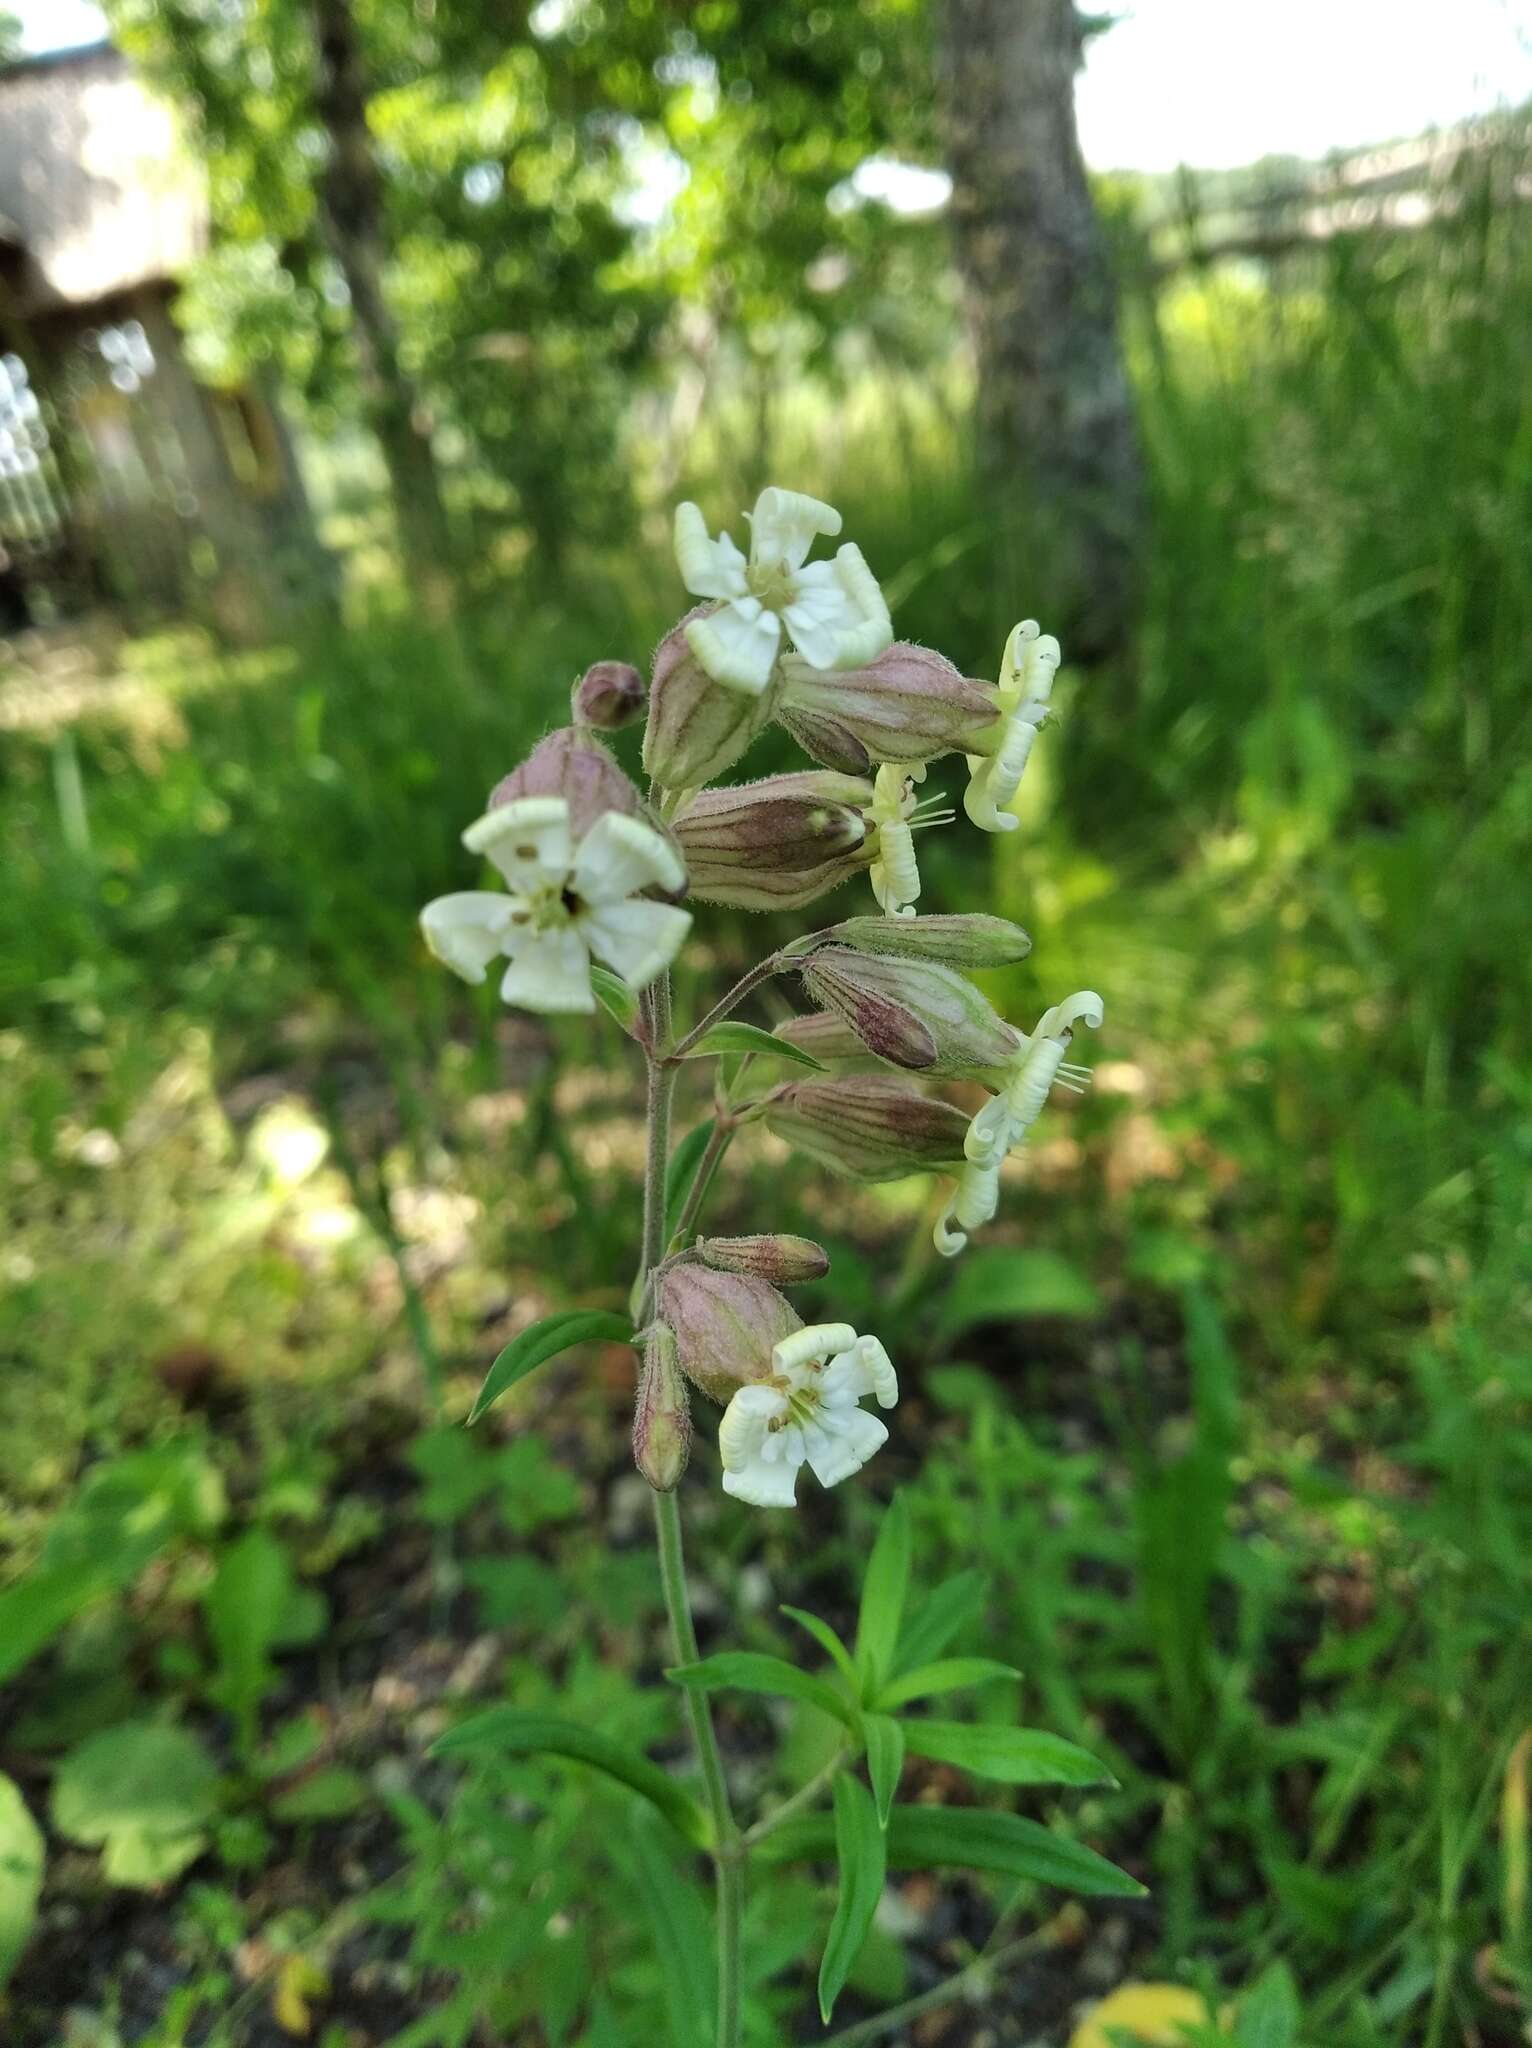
(724, 1325)
(909, 704)
(913, 1013)
(823, 1034)
(776, 844)
(662, 1415)
(697, 729)
(868, 1126)
(609, 695)
(573, 765)
(780, 1259)
(970, 939)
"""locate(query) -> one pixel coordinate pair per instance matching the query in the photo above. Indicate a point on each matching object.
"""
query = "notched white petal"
(467, 929)
(620, 856)
(784, 524)
(527, 839)
(549, 971)
(709, 568)
(737, 651)
(637, 940)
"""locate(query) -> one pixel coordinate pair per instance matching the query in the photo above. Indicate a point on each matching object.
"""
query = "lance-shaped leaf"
(726, 1038)
(509, 1731)
(928, 1837)
(830, 1643)
(955, 1605)
(545, 1340)
(884, 1737)
(682, 1171)
(859, 1854)
(750, 1671)
(883, 1591)
(1011, 1756)
(614, 996)
(948, 1674)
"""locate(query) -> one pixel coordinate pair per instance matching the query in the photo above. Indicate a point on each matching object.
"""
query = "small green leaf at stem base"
(1011, 1756)
(948, 1674)
(615, 997)
(829, 1642)
(545, 1340)
(885, 1760)
(750, 1671)
(510, 1731)
(859, 1853)
(749, 1038)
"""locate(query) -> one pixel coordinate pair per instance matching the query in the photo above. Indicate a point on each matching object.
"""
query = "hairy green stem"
(728, 1850)
(719, 1141)
(772, 964)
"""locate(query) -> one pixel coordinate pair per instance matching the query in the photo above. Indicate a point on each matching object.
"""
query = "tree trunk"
(353, 218)
(1057, 443)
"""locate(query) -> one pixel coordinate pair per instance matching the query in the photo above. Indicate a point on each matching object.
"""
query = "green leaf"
(859, 1853)
(830, 1643)
(883, 1591)
(253, 1606)
(957, 1604)
(508, 1731)
(682, 1931)
(1012, 1756)
(545, 1340)
(682, 1171)
(948, 1675)
(750, 1671)
(995, 1286)
(1269, 2013)
(926, 1837)
(885, 1760)
(614, 996)
(21, 1875)
(329, 1794)
(749, 1038)
(141, 1791)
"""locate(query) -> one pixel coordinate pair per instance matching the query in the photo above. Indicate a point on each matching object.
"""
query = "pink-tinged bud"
(823, 1034)
(697, 729)
(966, 939)
(780, 1259)
(576, 766)
(777, 844)
(909, 704)
(662, 1414)
(724, 1326)
(609, 695)
(913, 1013)
(869, 1127)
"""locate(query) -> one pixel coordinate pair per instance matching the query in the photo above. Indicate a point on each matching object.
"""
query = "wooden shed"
(123, 480)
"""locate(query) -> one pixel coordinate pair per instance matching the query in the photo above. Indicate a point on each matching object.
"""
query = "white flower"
(806, 1412)
(833, 611)
(1004, 1121)
(894, 874)
(562, 904)
(1027, 669)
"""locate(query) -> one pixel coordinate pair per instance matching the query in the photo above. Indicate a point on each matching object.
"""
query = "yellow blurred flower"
(1156, 2014)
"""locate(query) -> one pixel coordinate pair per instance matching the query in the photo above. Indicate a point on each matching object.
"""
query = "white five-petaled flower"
(806, 1412)
(1004, 1121)
(833, 612)
(562, 904)
(1027, 669)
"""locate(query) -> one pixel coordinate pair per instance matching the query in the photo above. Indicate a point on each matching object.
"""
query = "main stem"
(728, 1849)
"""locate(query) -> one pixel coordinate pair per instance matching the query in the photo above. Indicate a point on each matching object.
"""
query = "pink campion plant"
(597, 883)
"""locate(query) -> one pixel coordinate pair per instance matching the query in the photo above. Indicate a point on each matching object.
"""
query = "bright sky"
(1221, 82)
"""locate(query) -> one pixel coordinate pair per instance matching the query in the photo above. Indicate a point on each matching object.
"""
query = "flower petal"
(736, 651)
(619, 856)
(549, 971)
(784, 523)
(874, 629)
(467, 929)
(637, 940)
(815, 1341)
(526, 839)
(843, 1445)
(762, 1485)
(709, 568)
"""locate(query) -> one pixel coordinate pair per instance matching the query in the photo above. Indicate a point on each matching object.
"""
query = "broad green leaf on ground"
(749, 1038)
(955, 1606)
(884, 1738)
(682, 1171)
(750, 1671)
(253, 1606)
(545, 1340)
(926, 1837)
(508, 1731)
(141, 1792)
(860, 1858)
(1013, 1756)
(950, 1674)
(21, 1875)
(994, 1286)
(883, 1591)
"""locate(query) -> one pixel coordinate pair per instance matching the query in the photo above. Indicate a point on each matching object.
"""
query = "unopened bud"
(777, 844)
(609, 695)
(697, 729)
(782, 1260)
(909, 704)
(724, 1325)
(662, 1415)
(573, 765)
(868, 1126)
(913, 1013)
(968, 939)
